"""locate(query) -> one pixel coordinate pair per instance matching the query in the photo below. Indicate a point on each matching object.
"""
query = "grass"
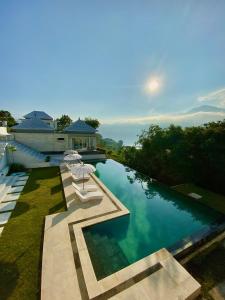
(208, 267)
(21, 241)
(209, 198)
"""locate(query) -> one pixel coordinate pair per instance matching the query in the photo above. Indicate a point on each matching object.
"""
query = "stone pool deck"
(67, 271)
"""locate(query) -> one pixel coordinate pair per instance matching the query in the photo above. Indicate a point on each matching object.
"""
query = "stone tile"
(4, 217)
(11, 197)
(175, 270)
(15, 189)
(23, 177)
(1, 229)
(19, 174)
(7, 206)
(20, 182)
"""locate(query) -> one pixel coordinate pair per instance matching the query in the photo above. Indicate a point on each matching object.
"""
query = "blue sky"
(93, 58)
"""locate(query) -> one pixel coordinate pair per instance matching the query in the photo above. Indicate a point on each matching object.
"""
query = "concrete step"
(15, 189)
(4, 217)
(8, 206)
(29, 151)
(20, 183)
(7, 186)
(11, 197)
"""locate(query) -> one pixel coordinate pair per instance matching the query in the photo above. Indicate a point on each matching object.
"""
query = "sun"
(153, 85)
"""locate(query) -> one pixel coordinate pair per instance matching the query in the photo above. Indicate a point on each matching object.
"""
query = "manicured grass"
(208, 267)
(209, 198)
(21, 241)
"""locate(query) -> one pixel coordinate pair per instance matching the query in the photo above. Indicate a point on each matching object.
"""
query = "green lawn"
(209, 198)
(21, 241)
(208, 267)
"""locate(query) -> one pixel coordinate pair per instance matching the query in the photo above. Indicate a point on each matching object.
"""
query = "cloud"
(183, 119)
(217, 97)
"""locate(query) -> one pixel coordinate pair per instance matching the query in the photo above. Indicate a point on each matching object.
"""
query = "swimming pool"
(159, 217)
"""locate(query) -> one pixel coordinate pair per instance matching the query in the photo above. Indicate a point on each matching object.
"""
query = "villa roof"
(79, 126)
(33, 124)
(38, 114)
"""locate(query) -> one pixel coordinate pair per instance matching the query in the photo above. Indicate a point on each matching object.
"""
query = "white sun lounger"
(89, 196)
(87, 188)
(76, 179)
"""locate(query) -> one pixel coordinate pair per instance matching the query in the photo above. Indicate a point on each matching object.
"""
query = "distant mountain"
(206, 108)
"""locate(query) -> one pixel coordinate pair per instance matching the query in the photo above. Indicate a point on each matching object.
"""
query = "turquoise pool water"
(159, 217)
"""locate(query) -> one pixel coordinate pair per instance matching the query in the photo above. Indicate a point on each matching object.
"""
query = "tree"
(120, 144)
(176, 155)
(92, 122)
(63, 122)
(6, 116)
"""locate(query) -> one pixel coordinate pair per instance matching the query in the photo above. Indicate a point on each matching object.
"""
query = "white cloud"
(217, 97)
(199, 117)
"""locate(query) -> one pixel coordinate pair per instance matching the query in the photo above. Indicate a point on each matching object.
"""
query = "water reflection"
(159, 217)
(198, 211)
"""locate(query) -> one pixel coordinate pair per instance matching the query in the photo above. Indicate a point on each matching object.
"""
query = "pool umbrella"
(84, 169)
(72, 157)
(67, 152)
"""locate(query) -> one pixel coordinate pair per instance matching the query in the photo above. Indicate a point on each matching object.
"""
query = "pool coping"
(189, 244)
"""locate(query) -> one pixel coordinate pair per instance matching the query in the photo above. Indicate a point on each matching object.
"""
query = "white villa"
(38, 130)
(36, 138)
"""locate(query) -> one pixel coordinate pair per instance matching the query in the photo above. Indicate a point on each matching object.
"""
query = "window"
(60, 139)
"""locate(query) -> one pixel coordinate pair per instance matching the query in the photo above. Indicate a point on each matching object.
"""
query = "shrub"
(47, 158)
(16, 168)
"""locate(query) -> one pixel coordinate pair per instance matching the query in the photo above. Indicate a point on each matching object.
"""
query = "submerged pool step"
(106, 254)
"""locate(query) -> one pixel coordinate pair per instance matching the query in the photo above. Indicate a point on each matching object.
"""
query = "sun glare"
(153, 85)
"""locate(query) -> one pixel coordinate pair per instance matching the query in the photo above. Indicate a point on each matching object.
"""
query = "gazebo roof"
(33, 124)
(79, 126)
(38, 114)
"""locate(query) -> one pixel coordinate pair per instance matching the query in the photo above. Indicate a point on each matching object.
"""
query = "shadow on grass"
(21, 208)
(41, 174)
(30, 186)
(46, 173)
(9, 275)
(56, 189)
(57, 207)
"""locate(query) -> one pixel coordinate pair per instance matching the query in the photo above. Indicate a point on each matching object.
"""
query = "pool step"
(106, 255)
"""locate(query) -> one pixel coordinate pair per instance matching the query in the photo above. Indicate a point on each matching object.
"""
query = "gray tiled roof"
(38, 114)
(80, 126)
(33, 124)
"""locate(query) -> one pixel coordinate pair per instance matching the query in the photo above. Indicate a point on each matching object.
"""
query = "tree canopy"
(92, 122)
(176, 155)
(6, 116)
(63, 122)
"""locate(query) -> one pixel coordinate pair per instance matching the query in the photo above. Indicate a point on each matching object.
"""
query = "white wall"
(45, 142)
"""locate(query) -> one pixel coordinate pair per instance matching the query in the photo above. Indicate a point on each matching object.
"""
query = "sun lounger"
(67, 167)
(89, 196)
(76, 179)
(87, 187)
